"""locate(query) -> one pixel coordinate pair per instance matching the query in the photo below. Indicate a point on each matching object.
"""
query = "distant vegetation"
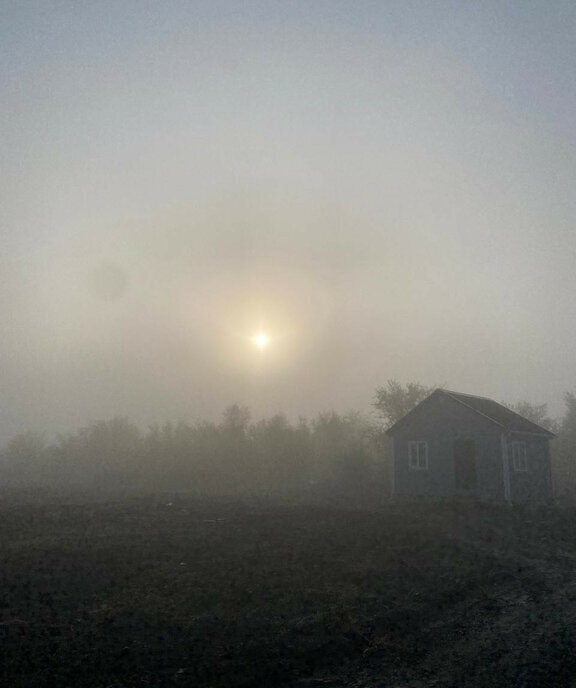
(330, 456)
(333, 457)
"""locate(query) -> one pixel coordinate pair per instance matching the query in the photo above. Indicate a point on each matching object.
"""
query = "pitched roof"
(508, 420)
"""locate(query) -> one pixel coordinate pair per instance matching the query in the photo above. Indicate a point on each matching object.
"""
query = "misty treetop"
(393, 401)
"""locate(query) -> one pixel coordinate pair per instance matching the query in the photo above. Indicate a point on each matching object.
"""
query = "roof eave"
(545, 433)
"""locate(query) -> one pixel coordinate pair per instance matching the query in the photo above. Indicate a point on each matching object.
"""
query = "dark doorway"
(465, 464)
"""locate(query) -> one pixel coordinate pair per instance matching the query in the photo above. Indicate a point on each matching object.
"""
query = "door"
(465, 465)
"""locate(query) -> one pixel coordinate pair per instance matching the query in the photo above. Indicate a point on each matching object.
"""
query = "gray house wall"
(443, 420)
(440, 423)
(535, 484)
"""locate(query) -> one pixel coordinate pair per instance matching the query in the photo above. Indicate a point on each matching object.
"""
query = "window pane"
(418, 454)
(422, 455)
(412, 454)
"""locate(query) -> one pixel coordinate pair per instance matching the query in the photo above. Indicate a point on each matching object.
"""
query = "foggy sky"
(386, 188)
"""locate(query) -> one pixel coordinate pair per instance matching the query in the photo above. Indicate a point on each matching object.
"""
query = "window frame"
(519, 457)
(418, 455)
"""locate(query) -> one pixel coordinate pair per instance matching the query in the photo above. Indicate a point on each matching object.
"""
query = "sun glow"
(261, 340)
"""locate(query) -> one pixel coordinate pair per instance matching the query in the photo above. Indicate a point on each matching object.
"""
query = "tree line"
(332, 455)
(341, 457)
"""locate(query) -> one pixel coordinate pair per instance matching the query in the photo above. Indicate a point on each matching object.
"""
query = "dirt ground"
(176, 591)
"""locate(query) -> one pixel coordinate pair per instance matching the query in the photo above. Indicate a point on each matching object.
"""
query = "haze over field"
(383, 190)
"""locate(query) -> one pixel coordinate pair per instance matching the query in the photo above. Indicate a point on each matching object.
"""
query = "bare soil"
(217, 593)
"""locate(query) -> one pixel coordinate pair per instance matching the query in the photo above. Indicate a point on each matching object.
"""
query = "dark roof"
(497, 413)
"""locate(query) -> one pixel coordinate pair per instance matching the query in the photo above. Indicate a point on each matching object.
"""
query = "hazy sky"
(385, 187)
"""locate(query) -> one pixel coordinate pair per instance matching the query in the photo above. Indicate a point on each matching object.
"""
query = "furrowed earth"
(220, 593)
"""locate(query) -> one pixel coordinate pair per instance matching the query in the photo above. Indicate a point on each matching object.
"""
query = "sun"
(261, 340)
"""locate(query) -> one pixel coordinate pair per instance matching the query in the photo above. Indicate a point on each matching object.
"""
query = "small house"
(454, 444)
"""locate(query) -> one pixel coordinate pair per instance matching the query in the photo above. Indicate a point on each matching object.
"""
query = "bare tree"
(393, 401)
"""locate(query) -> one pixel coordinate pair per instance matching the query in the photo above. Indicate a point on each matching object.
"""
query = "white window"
(519, 462)
(418, 455)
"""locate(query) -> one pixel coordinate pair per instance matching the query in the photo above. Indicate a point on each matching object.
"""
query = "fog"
(385, 189)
